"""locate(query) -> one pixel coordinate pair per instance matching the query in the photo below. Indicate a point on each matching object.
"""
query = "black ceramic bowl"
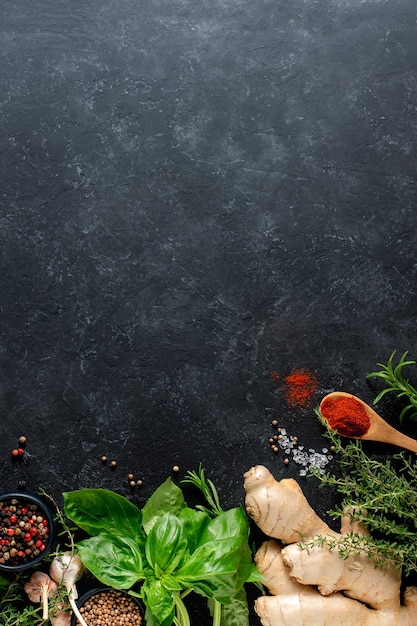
(93, 593)
(26, 530)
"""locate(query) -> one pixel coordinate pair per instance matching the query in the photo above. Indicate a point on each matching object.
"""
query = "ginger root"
(315, 586)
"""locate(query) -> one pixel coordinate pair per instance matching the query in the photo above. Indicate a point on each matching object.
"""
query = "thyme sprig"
(381, 496)
(395, 382)
(10, 598)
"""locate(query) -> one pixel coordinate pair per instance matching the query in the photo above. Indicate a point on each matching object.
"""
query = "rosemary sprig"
(384, 499)
(207, 488)
(395, 381)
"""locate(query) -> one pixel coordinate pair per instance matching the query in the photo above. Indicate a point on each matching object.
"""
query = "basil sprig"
(170, 549)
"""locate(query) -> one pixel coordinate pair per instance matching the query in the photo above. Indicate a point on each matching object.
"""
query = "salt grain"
(306, 459)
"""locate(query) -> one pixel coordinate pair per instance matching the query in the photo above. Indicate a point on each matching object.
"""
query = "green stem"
(217, 613)
(182, 618)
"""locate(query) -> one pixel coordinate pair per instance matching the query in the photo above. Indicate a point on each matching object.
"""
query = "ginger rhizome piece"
(315, 586)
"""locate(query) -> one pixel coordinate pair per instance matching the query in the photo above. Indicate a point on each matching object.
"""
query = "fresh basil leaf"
(150, 619)
(234, 614)
(194, 524)
(166, 544)
(227, 524)
(170, 582)
(167, 498)
(159, 601)
(100, 511)
(114, 561)
(255, 576)
(217, 569)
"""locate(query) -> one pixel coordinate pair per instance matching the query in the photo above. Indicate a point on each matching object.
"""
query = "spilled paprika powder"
(346, 416)
(301, 385)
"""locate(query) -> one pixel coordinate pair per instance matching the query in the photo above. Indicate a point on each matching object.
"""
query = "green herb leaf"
(215, 569)
(167, 498)
(227, 525)
(100, 511)
(159, 601)
(395, 382)
(207, 488)
(194, 524)
(166, 544)
(114, 561)
(234, 614)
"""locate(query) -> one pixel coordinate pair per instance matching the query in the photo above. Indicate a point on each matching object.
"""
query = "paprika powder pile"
(300, 386)
(345, 415)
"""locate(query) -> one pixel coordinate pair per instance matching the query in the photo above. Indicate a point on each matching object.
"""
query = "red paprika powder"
(345, 415)
(300, 386)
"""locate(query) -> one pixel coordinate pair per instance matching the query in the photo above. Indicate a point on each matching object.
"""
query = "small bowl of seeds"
(109, 607)
(26, 530)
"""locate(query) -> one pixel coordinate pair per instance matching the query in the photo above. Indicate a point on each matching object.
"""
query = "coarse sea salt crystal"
(307, 459)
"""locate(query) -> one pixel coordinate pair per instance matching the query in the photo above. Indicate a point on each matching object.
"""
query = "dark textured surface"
(194, 194)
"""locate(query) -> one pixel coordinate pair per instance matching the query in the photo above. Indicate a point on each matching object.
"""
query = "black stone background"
(194, 194)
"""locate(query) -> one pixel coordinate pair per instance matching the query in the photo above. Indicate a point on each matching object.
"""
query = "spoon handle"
(401, 440)
(387, 434)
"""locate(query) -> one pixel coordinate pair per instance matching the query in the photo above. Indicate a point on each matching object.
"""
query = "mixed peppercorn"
(24, 531)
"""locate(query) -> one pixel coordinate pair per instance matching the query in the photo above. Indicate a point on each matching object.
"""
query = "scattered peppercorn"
(139, 483)
(22, 440)
(113, 463)
(175, 469)
(132, 483)
(130, 476)
(103, 459)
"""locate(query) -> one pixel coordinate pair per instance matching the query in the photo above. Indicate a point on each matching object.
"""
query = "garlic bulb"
(68, 568)
(39, 589)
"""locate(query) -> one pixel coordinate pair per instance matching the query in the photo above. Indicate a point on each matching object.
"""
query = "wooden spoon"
(378, 430)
